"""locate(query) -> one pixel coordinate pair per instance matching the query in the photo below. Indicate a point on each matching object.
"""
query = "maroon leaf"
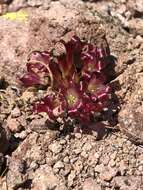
(30, 79)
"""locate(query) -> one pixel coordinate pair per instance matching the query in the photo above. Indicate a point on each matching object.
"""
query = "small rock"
(67, 169)
(78, 166)
(63, 142)
(14, 175)
(15, 112)
(44, 179)
(56, 170)
(122, 167)
(106, 160)
(96, 155)
(136, 26)
(49, 160)
(3, 8)
(84, 154)
(131, 123)
(108, 173)
(66, 160)
(140, 168)
(90, 172)
(71, 178)
(22, 135)
(33, 165)
(128, 182)
(90, 184)
(78, 135)
(113, 156)
(77, 151)
(112, 163)
(122, 9)
(36, 3)
(73, 160)
(86, 147)
(99, 168)
(135, 5)
(93, 158)
(13, 125)
(17, 4)
(59, 165)
(55, 148)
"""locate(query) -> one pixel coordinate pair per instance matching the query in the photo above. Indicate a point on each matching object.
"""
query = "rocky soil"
(109, 156)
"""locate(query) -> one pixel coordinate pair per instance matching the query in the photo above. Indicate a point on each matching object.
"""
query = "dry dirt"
(33, 157)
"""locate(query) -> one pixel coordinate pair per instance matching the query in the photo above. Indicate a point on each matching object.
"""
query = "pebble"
(100, 149)
(113, 156)
(15, 112)
(122, 9)
(72, 160)
(67, 169)
(93, 159)
(66, 160)
(36, 3)
(77, 151)
(84, 154)
(33, 165)
(22, 135)
(63, 142)
(59, 165)
(13, 124)
(140, 168)
(71, 178)
(78, 135)
(44, 178)
(137, 5)
(112, 163)
(56, 170)
(55, 148)
(96, 155)
(78, 166)
(122, 167)
(86, 147)
(136, 25)
(90, 172)
(105, 160)
(90, 184)
(99, 168)
(108, 173)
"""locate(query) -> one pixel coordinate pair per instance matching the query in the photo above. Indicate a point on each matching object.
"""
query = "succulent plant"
(75, 80)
